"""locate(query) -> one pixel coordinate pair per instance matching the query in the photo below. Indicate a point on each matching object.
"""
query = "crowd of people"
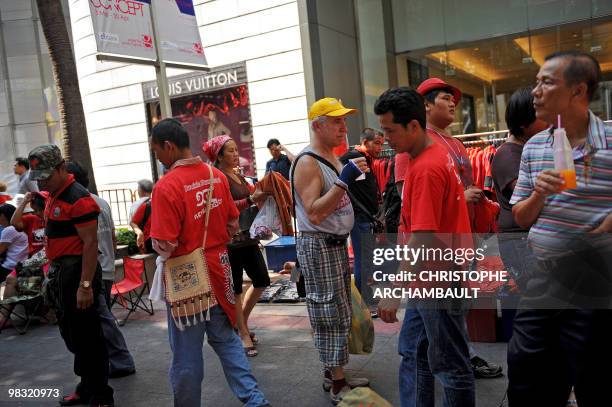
(553, 240)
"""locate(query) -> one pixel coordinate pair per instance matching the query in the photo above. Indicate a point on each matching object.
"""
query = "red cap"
(436, 83)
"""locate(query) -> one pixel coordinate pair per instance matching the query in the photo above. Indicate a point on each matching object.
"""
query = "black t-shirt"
(505, 169)
(366, 191)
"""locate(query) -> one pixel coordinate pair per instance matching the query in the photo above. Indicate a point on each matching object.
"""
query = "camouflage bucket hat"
(43, 160)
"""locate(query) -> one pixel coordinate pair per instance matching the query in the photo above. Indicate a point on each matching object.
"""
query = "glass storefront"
(487, 49)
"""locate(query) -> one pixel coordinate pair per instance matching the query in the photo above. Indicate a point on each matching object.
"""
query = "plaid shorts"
(326, 272)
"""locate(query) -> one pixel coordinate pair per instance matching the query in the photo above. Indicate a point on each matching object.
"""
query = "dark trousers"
(551, 349)
(81, 329)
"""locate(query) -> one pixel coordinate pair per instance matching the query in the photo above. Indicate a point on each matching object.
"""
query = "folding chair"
(32, 305)
(29, 296)
(132, 285)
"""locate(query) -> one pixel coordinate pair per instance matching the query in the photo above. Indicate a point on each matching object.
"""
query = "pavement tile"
(287, 367)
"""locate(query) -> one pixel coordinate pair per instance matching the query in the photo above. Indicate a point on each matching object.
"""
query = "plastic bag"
(363, 397)
(361, 336)
(267, 221)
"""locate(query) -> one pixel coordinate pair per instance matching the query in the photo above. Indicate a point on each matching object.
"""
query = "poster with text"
(123, 27)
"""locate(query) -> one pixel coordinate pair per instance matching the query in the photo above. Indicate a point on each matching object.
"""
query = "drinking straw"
(558, 121)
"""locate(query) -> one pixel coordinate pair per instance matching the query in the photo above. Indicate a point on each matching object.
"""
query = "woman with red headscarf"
(244, 253)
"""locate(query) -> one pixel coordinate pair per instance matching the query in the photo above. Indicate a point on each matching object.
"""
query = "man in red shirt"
(177, 228)
(433, 341)
(75, 277)
(141, 223)
(440, 102)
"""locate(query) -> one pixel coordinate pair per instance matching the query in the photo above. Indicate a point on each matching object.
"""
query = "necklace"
(456, 154)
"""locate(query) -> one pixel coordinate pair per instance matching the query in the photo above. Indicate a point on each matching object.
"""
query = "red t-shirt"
(432, 198)
(69, 208)
(178, 209)
(4, 198)
(139, 217)
(459, 154)
(34, 227)
(402, 163)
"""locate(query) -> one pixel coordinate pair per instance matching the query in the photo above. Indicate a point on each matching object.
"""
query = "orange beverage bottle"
(569, 176)
(564, 160)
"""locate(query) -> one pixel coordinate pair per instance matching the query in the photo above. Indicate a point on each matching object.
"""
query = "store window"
(208, 104)
(489, 71)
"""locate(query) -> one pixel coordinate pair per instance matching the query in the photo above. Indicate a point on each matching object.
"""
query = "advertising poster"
(178, 29)
(123, 27)
(212, 114)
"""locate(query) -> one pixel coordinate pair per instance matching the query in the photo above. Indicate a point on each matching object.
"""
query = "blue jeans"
(187, 366)
(517, 256)
(433, 343)
(362, 251)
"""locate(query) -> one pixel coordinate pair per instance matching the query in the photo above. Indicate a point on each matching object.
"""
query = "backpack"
(392, 203)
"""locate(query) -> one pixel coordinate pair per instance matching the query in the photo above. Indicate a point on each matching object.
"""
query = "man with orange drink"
(563, 328)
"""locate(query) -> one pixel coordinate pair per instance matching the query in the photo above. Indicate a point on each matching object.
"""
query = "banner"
(178, 30)
(123, 27)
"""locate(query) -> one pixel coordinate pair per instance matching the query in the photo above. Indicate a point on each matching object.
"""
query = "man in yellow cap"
(325, 218)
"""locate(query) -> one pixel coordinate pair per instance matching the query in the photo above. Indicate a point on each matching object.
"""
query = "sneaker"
(73, 399)
(337, 397)
(485, 370)
(352, 382)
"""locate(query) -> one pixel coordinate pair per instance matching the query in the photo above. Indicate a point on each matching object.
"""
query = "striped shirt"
(572, 211)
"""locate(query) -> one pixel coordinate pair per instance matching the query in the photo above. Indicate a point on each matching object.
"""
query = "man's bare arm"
(308, 183)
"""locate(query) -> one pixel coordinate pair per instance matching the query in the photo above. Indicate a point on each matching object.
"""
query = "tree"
(70, 105)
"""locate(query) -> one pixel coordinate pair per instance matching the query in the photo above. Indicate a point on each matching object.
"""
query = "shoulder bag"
(187, 280)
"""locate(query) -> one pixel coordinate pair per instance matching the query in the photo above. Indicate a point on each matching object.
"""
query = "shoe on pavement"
(336, 397)
(351, 382)
(485, 370)
(73, 399)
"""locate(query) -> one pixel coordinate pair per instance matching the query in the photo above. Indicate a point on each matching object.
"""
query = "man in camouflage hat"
(71, 219)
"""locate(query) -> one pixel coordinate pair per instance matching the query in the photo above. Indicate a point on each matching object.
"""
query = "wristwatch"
(85, 284)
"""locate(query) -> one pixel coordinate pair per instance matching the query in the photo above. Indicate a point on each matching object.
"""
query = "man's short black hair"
(273, 142)
(583, 67)
(23, 162)
(145, 185)
(369, 134)
(7, 210)
(80, 174)
(405, 103)
(170, 130)
(520, 112)
(433, 94)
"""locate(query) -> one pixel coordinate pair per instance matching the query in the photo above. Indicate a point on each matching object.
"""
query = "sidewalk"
(287, 366)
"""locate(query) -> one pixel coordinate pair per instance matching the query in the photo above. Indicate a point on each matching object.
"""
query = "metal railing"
(120, 201)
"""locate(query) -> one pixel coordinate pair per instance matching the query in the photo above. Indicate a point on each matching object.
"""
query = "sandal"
(251, 352)
(253, 338)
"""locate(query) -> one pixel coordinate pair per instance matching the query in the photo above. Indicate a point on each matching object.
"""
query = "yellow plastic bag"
(363, 397)
(361, 336)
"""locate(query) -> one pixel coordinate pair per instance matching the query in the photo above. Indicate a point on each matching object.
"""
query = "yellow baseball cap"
(328, 107)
